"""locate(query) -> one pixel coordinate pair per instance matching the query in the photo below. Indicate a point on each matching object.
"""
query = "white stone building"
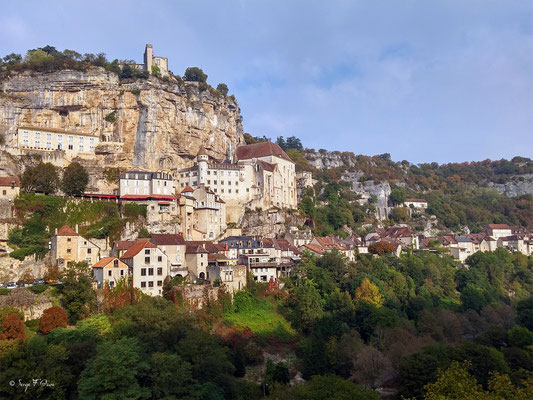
(145, 183)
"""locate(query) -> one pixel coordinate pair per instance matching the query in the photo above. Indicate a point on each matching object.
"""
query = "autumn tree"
(371, 368)
(369, 292)
(27, 277)
(53, 317)
(12, 328)
(75, 179)
(381, 248)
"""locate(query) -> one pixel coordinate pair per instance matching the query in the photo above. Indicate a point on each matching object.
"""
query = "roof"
(314, 248)
(210, 247)
(267, 166)
(123, 244)
(103, 262)
(187, 189)
(463, 239)
(66, 230)
(137, 247)
(8, 180)
(195, 249)
(261, 149)
(498, 226)
(145, 175)
(162, 239)
(415, 201)
(202, 151)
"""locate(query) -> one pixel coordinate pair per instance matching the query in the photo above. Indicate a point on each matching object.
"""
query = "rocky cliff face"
(517, 186)
(159, 125)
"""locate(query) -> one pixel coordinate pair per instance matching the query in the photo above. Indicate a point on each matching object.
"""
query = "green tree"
(171, 376)
(114, 373)
(524, 313)
(40, 178)
(223, 88)
(397, 196)
(78, 296)
(305, 305)
(75, 179)
(399, 214)
(194, 74)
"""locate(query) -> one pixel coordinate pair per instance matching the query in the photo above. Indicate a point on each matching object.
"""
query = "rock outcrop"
(517, 185)
(151, 124)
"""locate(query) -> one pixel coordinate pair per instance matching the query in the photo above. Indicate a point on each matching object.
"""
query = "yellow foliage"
(369, 292)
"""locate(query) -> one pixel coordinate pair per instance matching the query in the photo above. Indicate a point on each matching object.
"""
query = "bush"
(194, 74)
(136, 91)
(223, 88)
(132, 210)
(111, 117)
(37, 289)
(4, 292)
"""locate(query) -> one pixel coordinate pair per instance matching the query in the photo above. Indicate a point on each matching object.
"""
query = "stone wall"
(30, 304)
(196, 296)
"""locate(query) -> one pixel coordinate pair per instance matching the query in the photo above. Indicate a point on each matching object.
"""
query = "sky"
(423, 80)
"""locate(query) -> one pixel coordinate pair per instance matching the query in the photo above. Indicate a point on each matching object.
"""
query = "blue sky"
(422, 80)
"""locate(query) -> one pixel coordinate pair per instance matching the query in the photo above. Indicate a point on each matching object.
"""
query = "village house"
(196, 260)
(9, 187)
(174, 247)
(148, 266)
(299, 237)
(498, 230)
(145, 185)
(68, 246)
(109, 270)
(227, 272)
(416, 203)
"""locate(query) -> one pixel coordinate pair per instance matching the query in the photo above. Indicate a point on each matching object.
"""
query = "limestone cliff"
(158, 125)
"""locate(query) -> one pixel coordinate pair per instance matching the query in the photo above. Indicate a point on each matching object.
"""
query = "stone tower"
(202, 159)
(148, 57)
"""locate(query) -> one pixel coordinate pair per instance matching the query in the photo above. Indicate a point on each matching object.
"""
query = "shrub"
(132, 210)
(37, 289)
(136, 91)
(111, 117)
(223, 88)
(53, 317)
(4, 292)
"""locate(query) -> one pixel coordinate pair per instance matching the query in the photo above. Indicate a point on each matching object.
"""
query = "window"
(143, 284)
(91, 140)
(37, 135)
(89, 251)
(151, 284)
(91, 148)
(49, 136)
(121, 272)
(159, 283)
(81, 139)
(25, 142)
(69, 251)
(115, 263)
(159, 258)
(25, 134)
(80, 147)
(69, 239)
(147, 251)
(4, 192)
(71, 138)
(49, 145)
(160, 271)
(59, 138)
(147, 260)
(143, 271)
(109, 273)
(37, 143)
(150, 271)
(71, 147)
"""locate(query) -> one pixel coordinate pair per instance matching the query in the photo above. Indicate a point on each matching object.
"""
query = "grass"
(260, 315)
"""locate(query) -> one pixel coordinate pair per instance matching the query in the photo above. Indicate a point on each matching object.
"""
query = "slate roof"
(261, 149)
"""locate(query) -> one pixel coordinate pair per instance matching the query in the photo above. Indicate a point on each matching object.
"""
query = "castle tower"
(202, 159)
(148, 57)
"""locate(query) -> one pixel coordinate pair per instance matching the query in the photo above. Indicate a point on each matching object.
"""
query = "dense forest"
(404, 326)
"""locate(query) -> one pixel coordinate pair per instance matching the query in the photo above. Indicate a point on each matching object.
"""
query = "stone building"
(148, 266)
(145, 184)
(109, 270)
(67, 245)
(262, 176)
(9, 187)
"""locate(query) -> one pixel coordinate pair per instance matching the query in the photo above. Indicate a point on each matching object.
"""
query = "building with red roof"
(67, 245)
(9, 187)
(109, 270)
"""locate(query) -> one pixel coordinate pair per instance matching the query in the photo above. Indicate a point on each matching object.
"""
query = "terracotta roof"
(221, 246)
(168, 239)
(187, 189)
(397, 232)
(123, 244)
(314, 248)
(66, 230)
(202, 151)
(415, 201)
(261, 149)
(498, 226)
(137, 247)
(8, 180)
(103, 262)
(38, 128)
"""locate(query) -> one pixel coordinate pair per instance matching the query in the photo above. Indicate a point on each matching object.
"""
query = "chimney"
(76, 228)
(56, 231)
